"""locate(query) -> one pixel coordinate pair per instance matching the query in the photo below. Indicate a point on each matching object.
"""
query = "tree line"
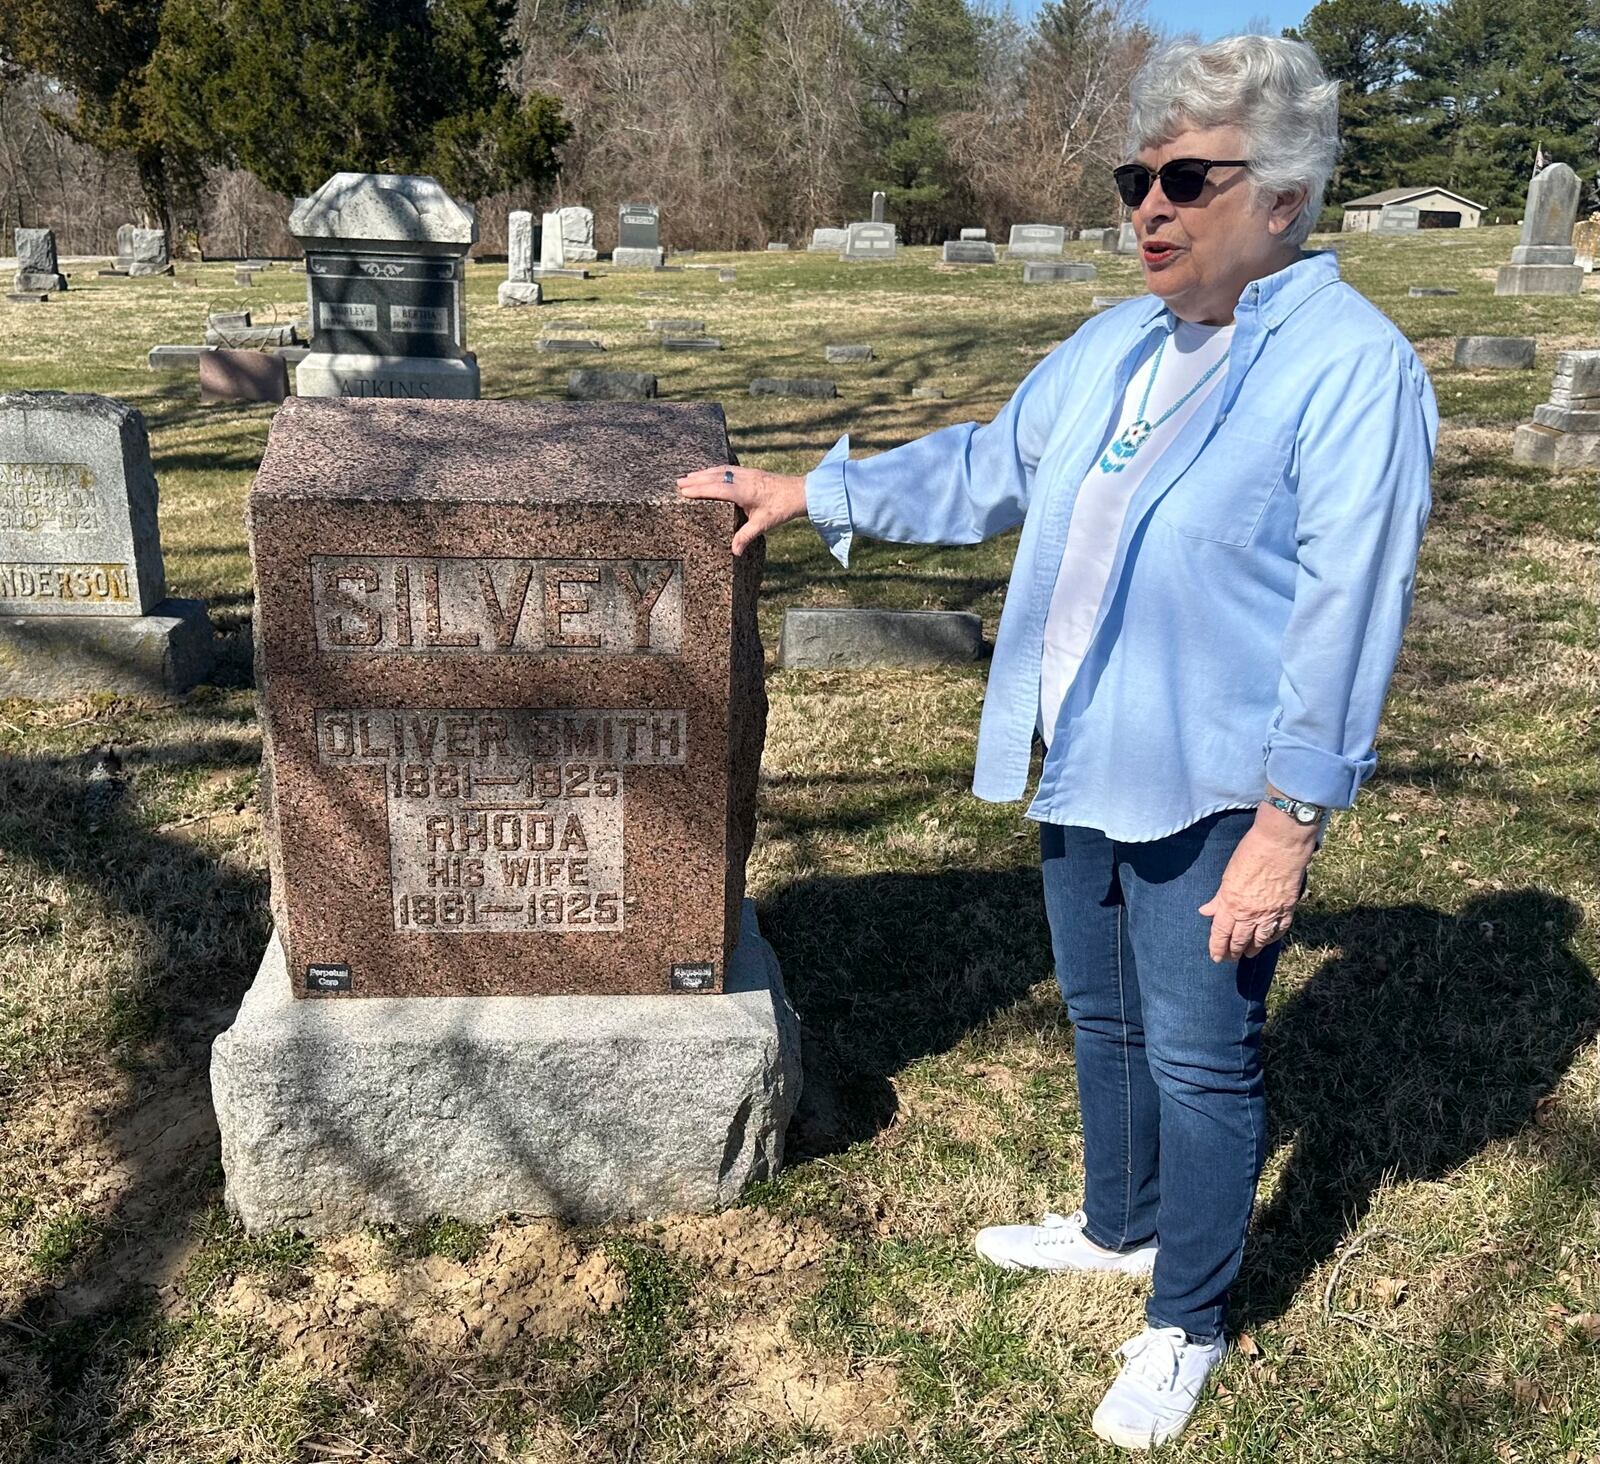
(745, 120)
(1463, 94)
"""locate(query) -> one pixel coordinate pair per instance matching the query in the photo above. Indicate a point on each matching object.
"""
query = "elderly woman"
(1222, 487)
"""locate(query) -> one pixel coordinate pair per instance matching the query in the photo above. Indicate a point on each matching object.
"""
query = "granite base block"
(823, 639)
(336, 1115)
(1538, 279)
(58, 657)
(519, 292)
(637, 258)
(352, 374)
(1545, 447)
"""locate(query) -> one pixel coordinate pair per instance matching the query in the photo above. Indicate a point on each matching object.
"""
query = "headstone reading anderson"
(83, 594)
(386, 279)
(1545, 262)
(512, 712)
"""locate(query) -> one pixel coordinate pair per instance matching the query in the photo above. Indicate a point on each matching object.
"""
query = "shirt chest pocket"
(1225, 490)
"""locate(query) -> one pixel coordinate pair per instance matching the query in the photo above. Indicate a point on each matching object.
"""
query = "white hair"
(1275, 91)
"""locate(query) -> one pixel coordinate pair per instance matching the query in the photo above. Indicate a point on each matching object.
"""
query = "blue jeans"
(1168, 1055)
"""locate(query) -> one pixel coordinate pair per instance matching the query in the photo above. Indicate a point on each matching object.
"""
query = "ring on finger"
(727, 475)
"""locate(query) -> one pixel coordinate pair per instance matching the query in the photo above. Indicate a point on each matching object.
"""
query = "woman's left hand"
(1254, 905)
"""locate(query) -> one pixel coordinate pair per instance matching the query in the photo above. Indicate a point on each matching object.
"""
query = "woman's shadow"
(1428, 1038)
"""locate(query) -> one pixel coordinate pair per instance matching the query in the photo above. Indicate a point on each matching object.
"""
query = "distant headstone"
(869, 241)
(29, 297)
(690, 343)
(252, 337)
(793, 386)
(1565, 431)
(1091, 236)
(775, 247)
(125, 233)
(1127, 240)
(638, 237)
(552, 254)
(83, 598)
(1045, 272)
(1399, 219)
(244, 278)
(242, 376)
(974, 233)
(1422, 292)
(37, 269)
(880, 206)
(1545, 262)
(149, 256)
(577, 234)
(677, 325)
(1585, 242)
(969, 251)
(228, 320)
(519, 246)
(519, 292)
(825, 639)
(512, 768)
(727, 276)
(928, 393)
(1498, 353)
(568, 343)
(590, 385)
(386, 273)
(176, 358)
(827, 241)
(841, 355)
(1036, 241)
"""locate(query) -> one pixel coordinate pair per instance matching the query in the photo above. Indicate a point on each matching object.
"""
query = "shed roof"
(1400, 195)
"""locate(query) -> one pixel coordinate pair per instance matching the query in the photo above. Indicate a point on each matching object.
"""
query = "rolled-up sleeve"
(1365, 461)
(959, 485)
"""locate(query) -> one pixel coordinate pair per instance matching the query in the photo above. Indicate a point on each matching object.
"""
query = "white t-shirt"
(1103, 501)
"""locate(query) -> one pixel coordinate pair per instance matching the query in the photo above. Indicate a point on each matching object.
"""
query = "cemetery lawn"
(1423, 1277)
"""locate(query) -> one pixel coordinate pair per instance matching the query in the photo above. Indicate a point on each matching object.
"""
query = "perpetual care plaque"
(511, 696)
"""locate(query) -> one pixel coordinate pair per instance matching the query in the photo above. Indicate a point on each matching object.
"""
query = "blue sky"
(1213, 18)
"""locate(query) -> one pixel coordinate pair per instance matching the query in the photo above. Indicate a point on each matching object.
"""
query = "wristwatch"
(1301, 813)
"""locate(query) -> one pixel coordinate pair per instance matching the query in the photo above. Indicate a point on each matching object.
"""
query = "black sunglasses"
(1182, 180)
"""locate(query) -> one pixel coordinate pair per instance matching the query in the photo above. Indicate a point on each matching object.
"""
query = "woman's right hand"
(768, 499)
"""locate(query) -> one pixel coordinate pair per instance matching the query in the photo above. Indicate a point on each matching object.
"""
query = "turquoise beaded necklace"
(1138, 432)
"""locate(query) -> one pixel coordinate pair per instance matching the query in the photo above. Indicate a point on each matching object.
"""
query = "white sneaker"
(1157, 1389)
(1058, 1243)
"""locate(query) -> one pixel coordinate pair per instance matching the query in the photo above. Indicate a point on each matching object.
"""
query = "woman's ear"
(1286, 209)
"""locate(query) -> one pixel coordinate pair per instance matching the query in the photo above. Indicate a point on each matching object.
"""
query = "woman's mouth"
(1157, 252)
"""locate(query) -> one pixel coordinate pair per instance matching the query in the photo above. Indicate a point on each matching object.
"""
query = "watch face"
(1305, 815)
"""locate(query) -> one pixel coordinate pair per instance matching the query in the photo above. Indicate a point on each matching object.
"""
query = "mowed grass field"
(1423, 1276)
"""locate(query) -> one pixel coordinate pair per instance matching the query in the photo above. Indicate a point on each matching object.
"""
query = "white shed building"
(1435, 208)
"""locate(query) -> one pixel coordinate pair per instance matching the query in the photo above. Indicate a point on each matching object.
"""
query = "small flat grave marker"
(839, 355)
(793, 386)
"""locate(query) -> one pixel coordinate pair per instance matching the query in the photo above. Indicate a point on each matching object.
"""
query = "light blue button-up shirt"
(1262, 578)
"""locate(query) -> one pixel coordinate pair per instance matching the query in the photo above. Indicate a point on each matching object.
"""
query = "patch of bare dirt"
(738, 1244)
(528, 1281)
(771, 1378)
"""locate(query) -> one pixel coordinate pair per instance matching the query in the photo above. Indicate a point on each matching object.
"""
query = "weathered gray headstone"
(793, 386)
(1565, 431)
(1585, 240)
(974, 233)
(386, 279)
(777, 247)
(1046, 272)
(1092, 236)
(727, 276)
(577, 234)
(690, 343)
(513, 293)
(969, 251)
(254, 337)
(823, 639)
(244, 278)
(880, 206)
(928, 393)
(568, 343)
(638, 237)
(1036, 241)
(83, 602)
(37, 269)
(1498, 353)
(519, 246)
(176, 358)
(828, 241)
(1399, 219)
(149, 255)
(228, 320)
(1545, 262)
(869, 241)
(588, 384)
(1421, 292)
(840, 355)
(1127, 240)
(677, 325)
(125, 233)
